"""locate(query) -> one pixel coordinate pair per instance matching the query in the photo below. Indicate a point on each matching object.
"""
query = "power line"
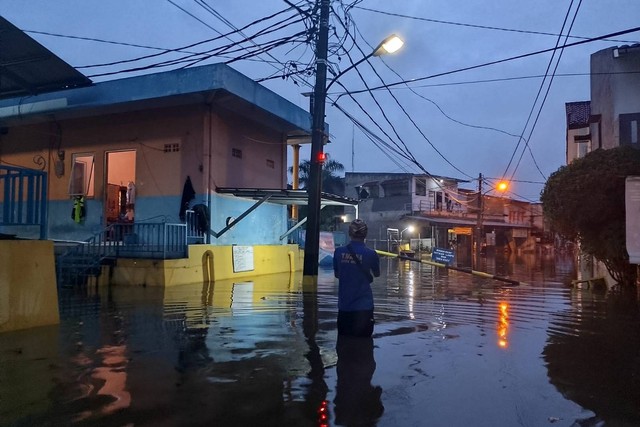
(484, 27)
(231, 48)
(486, 64)
(406, 148)
(182, 48)
(542, 84)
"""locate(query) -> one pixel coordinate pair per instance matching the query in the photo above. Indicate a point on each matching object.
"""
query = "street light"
(502, 187)
(389, 45)
(312, 239)
(410, 229)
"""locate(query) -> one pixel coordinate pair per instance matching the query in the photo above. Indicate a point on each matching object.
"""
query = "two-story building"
(609, 119)
(442, 214)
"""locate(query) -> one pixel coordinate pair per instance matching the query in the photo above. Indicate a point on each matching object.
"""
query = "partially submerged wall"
(28, 291)
(207, 263)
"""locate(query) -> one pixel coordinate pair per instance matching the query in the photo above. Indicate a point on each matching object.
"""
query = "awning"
(28, 68)
(287, 197)
(283, 197)
(466, 222)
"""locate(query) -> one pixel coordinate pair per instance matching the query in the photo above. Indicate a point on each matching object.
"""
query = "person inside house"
(355, 265)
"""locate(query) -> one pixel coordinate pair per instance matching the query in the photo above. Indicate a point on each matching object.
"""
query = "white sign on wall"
(632, 207)
(242, 258)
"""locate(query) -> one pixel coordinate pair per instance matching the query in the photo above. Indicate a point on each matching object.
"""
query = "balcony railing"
(23, 201)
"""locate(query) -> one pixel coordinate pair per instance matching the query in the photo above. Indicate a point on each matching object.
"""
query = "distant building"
(442, 214)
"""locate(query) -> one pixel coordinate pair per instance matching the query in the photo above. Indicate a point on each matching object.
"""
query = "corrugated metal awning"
(28, 68)
(287, 197)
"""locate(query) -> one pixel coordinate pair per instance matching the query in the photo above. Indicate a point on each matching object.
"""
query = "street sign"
(443, 256)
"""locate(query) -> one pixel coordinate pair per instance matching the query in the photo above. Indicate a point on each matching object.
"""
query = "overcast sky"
(458, 124)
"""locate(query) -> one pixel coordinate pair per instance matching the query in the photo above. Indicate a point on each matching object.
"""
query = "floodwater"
(449, 349)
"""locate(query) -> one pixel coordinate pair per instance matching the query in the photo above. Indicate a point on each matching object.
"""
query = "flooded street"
(449, 349)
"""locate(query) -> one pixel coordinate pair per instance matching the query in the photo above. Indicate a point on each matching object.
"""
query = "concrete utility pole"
(314, 187)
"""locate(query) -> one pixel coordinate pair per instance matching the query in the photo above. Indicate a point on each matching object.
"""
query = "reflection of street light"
(312, 239)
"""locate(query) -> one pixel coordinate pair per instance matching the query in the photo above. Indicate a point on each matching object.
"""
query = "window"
(421, 187)
(171, 148)
(396, 187)
(629, 129)
(82, 178)
(236, 152)
(582, 148)
(373, 190)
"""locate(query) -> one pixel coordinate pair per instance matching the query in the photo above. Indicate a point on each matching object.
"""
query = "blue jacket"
(354, 291)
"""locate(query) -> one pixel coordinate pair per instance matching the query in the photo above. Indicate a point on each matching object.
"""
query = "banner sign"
(443, 256)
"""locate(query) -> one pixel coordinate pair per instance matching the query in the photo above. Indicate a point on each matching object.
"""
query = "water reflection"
(503, 326)
(593, 358)
(264, 351)
(357, 402)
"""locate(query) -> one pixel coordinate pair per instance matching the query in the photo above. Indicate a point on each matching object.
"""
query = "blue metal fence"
(23, 198)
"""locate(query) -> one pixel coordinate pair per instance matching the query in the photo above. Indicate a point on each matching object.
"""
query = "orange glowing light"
(502, 186)
(503, 325)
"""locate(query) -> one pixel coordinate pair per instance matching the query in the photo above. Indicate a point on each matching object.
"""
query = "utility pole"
(312, 239)
(479, 219)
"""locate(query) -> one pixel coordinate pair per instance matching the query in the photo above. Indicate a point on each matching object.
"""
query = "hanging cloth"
(78, 211)
(188, 194)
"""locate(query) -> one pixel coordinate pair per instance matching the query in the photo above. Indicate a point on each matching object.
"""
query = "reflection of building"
(443, 213)
(610, 119)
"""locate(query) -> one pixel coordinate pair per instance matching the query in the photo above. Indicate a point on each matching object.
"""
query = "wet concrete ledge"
(28, 291)
(206, 263)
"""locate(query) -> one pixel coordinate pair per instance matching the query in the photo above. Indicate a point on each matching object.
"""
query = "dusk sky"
(447, 121)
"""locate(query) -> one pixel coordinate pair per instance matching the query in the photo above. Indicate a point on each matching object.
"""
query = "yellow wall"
(28, 291)
(198, 268)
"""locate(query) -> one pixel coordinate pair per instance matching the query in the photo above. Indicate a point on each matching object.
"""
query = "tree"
(585, 202)
(331, 183)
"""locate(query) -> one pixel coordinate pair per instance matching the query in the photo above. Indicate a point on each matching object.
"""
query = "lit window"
(82, 175)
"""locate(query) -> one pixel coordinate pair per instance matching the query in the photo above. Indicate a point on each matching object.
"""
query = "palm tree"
(331, 183)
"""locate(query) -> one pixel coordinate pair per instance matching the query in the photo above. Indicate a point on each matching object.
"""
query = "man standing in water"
(355, 265)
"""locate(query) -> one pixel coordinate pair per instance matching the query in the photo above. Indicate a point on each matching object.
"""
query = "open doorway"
(120, 187)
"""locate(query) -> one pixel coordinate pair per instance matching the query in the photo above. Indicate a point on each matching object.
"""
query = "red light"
(323, 414)
(322, 157)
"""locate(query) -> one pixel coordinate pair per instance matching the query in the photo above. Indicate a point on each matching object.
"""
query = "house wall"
(196, 131)
(205, 264)
(612, 94)
(263, 151)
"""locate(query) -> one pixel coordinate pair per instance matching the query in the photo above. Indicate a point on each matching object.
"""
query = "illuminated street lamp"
(312, 240)
(389, 45)
(502, 187)
(410, 229)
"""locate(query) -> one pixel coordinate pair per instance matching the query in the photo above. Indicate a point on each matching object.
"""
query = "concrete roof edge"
(146, 88)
